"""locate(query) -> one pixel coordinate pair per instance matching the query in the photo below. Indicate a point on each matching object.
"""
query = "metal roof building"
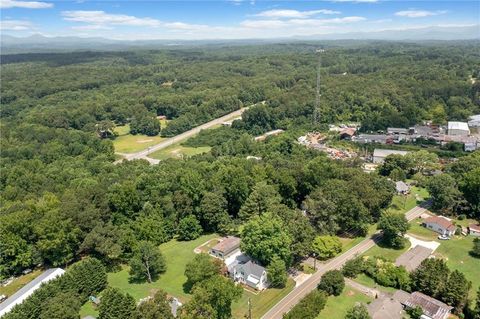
(379, 155)
(28, 289)
(458, 128)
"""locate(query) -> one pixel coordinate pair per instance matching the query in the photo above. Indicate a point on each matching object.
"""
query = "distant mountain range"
(40, 43)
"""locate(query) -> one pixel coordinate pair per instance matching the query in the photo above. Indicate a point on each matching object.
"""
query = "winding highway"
(290, 300)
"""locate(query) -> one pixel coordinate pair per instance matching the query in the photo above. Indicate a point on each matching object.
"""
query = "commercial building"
(379, 155)
(458, 129)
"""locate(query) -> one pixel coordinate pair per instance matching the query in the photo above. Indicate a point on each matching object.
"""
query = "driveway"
(290, 300)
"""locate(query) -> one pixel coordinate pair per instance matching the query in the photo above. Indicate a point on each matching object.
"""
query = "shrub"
(309, 307)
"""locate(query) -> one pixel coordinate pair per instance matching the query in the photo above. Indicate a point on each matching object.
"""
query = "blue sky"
(228, 19)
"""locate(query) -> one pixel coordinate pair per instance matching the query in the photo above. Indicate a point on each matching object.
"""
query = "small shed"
(402, 188)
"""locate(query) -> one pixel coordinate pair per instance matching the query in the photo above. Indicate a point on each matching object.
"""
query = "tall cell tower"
(316, 111)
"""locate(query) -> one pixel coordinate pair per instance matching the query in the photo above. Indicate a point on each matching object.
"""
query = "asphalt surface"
(178, 138)
(290, 300)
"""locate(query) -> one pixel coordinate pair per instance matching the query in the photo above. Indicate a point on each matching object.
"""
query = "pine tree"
(116, 305)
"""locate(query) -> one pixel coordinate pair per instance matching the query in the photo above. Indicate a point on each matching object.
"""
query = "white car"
(443, 237)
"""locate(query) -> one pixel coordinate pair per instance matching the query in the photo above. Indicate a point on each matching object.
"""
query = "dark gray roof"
(412, 258)
(253, 269)
(385, 308)
(26, 288)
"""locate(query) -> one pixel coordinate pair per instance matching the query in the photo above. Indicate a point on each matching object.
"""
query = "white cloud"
(418, 13)
(15, 25)
(285, 13)
(103, 18)
(185, 26)
(292, 23)
(5, 4)
(91, 27)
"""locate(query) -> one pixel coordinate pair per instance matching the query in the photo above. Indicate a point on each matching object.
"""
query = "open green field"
(177, 255)
(19, 282)
(456, 253)
(128, 143)
(337, 307)
(421, 232)
(179, 151)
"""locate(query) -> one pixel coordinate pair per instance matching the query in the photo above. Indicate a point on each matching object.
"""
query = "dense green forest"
(62, 198)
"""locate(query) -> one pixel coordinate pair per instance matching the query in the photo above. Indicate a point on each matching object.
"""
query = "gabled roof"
(385, 308)
(251, 268)
(431, 307)
(441, 221)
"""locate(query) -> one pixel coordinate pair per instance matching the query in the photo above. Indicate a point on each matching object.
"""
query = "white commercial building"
(27, 290)
(458, 129)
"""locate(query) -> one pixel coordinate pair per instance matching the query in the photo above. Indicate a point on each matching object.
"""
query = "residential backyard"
(337, 307)
(177, 255)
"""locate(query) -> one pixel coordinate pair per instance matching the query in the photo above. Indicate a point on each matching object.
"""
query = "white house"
(474, 230)
(441, 225)
(250, 274)
(27, 290)
(458, 128)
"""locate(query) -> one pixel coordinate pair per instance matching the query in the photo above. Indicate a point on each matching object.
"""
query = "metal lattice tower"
(316, 111)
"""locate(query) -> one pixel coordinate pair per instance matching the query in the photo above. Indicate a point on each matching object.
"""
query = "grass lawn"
(456, 252)
(337, 307)
(177, 255)
(402, 204)
(128, 143)
(369, 282)
(19, 282)
(261, 302)
(421, 232)
(385, 252)
(179, 151)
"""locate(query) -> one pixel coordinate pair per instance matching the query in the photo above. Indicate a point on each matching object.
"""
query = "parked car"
(443, 237)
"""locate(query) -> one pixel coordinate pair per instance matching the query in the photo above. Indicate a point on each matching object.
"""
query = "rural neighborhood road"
(290, 300)
(179, 138)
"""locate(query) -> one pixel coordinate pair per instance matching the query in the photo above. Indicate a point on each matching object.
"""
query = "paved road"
(179, 138)
(290, 300)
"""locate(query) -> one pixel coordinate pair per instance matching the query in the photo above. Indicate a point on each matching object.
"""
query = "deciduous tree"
(147, 262)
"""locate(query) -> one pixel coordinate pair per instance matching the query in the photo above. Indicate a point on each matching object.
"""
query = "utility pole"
(316, 111)
(249, 308)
